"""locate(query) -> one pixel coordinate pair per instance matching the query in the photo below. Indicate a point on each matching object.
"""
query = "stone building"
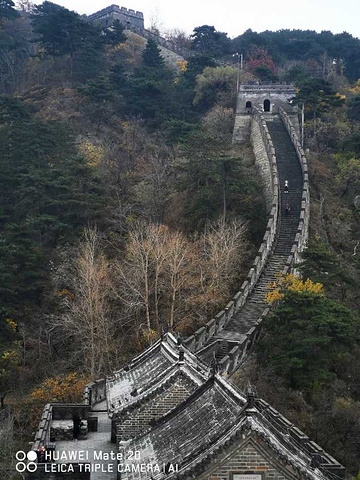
(129, 18)
(268, 98)
(218, 434)
(186, 422)
(151, 386)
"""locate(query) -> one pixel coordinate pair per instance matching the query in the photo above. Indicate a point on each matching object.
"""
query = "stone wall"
(252, 96)
(248, 460)
(127, 17)
(278, 95)
(137, 420)
(56, 411)
(42, 435)
(204, 334)
(134, 21)
(242, 128)
(95, 392)
(262, 163)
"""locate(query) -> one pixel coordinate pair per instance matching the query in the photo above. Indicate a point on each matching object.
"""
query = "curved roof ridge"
(152, 388)
(207, 437)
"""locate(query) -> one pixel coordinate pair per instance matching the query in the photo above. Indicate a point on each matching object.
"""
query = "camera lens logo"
(30, 465)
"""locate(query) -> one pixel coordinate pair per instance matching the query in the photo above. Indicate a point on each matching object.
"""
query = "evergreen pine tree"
(7, 10)
(47, 194)
(115, 35)
(152, 55)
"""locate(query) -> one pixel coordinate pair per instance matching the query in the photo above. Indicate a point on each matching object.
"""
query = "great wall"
(134, 22)
(175, 403)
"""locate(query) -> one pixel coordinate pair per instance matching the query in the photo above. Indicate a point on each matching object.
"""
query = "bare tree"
(180, 37)
(224, 247)
(177, 252)
(87, 317)
(153, 188)
(7, 445)
(156, 23)
(135, 270)
(25, 5)
(152, 270)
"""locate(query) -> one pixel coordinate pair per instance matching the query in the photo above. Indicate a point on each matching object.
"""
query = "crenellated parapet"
(127, 16)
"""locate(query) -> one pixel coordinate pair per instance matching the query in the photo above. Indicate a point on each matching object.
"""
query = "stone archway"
(267, 105)
(248, 104)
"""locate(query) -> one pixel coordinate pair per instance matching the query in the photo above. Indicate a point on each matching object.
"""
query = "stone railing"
(303, 226)
(42, 436)
(95, 392)
(240, 349)
(230, 362)
(204, 334)
(57, 411)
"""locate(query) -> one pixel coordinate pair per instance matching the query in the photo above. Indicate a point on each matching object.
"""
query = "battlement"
(266, 86)
(106, 12)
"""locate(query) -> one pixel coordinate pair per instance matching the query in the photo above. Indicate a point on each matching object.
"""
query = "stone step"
(288, 169)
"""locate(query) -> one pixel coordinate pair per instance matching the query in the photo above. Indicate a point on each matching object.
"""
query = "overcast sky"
(236, 16)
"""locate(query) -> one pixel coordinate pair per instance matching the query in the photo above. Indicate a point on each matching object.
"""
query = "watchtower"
(131, 19)
(267, 98)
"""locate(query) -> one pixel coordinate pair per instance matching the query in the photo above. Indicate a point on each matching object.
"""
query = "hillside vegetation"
(125, 212)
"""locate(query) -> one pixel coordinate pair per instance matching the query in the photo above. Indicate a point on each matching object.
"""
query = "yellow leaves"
(64, 388)
(348, 168)
(148, 337)
(355, 90)
(274, 296)
(93, 153)
(182, 65)
(11, 323)
(340, 96)
(299, 286)
(64, 293)
(9, 355)
(291, 283)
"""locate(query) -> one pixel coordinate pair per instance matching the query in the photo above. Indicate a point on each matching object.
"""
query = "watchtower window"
(248, 105)
(266, 105)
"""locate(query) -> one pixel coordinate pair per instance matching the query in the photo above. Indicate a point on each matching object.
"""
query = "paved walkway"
(96, 442)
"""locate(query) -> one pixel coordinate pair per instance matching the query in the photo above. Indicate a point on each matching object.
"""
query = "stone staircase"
(246, 318)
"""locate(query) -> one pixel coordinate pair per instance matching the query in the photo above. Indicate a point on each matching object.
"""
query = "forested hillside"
(125, 212)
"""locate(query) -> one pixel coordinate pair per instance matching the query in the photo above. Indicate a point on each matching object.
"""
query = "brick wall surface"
(246, 460)
(137, 421)
(262, 162)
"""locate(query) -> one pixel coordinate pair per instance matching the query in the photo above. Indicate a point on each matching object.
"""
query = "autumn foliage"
(259, 57)
(291, 283)
(63, 388)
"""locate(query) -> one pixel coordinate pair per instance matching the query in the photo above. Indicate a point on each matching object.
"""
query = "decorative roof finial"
(214, 365)
(250, 395)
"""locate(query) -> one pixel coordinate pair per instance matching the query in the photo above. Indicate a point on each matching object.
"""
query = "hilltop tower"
(132, 19)
(268, 99)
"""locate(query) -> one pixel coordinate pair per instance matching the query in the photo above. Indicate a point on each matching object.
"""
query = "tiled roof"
(152, 370)
(213, 418)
